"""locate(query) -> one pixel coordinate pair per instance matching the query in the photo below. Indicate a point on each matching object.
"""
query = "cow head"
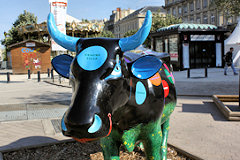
(98, 76)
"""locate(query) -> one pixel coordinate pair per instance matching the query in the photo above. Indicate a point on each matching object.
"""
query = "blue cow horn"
(60, 38)
(132, 42)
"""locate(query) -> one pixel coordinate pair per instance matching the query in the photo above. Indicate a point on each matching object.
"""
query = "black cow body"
(113, 98)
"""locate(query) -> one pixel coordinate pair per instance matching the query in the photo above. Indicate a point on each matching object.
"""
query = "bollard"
(39, 78)
(188, 73)
(52, 73)
(29, 74)
(52, 76)
(206, 74)
(48, 72)
(8, 77)
(59, 79)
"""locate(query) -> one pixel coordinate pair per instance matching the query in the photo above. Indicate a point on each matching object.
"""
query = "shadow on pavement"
(234, 108)
(12, 81)
(205, 108)
(51, 96)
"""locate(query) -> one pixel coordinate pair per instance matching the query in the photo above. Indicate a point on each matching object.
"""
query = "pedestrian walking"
(229, 62)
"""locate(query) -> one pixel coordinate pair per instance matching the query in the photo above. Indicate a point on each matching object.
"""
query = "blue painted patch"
(140, 94)
(92, 58)
(63, 124)
(117, 72)
(145, 67)
(97, 124)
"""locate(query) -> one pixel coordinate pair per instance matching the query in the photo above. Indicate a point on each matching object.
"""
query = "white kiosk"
(234, 41)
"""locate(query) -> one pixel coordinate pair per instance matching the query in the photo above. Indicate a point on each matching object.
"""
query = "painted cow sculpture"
(116, 99)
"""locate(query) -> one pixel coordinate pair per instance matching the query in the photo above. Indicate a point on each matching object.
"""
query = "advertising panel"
(173, 47)
(218, 54)
(59, 9)
(185, 48)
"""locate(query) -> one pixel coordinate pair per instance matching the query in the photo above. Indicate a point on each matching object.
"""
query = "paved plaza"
(30, 113)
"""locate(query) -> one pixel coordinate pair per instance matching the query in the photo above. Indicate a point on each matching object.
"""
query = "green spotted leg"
(152, 139)
(165, 129)
(110, 147)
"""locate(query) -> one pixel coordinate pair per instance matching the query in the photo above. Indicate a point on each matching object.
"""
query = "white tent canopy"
(70, 19)
(234, 41)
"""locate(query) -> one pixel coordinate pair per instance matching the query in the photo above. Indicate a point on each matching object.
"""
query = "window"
(174, 11)
(220, 20)
(185, 8)
(191, 19)
(205, 3)
(179, 10)
(213, 20)
(197, 4)
(191, 7)
(205, 19)
(185, 19)
(198, 19)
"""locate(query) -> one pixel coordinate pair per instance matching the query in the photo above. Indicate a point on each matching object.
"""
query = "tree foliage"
(12, 35)
(130, 33)
(158, 21)
(230, 7)
(108, 34)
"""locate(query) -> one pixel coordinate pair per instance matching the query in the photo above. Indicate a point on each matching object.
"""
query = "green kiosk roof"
(188, 26)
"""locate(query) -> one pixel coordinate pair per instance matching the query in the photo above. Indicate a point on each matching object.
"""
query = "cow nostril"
(96, 124)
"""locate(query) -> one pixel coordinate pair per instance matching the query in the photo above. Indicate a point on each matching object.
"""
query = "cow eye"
(116, 72)
(107, 73)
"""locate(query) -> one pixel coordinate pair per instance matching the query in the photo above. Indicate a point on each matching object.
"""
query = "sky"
(80, 9)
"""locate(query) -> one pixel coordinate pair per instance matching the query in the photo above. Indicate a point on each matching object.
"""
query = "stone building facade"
(198, 11)
(135, 20)
(116, 15)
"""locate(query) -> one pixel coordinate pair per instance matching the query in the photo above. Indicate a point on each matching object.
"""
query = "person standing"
(229, 62)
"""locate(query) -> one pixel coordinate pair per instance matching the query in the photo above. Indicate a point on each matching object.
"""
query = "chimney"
(119, 12)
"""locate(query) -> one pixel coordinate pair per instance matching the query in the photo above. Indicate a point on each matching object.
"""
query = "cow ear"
(146, 67)
(61, 64)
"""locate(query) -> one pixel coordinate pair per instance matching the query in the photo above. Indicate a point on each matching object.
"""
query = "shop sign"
(202, 37)
(30, 44)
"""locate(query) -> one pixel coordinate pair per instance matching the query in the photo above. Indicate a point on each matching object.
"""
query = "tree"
(157, 22)
(85, 20)
(230, 7)
(108, 34)
(160, 21)
(130, 33)
(12, 35)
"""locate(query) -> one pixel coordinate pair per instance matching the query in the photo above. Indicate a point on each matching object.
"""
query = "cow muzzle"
(87, 132)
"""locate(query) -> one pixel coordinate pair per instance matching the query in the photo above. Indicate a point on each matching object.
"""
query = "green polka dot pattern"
(152, 136)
